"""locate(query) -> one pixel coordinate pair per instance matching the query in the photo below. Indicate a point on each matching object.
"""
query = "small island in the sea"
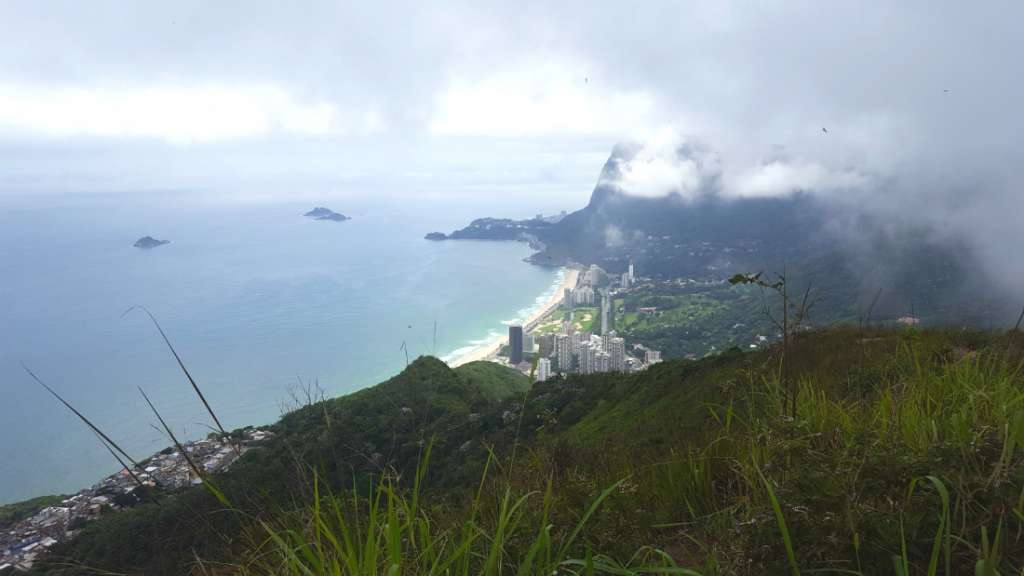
(436, 236)
(321, 213)
(147, 242)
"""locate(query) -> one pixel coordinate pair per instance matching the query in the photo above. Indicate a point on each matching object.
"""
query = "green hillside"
(12, 513)
(494, 381)
(903, 459)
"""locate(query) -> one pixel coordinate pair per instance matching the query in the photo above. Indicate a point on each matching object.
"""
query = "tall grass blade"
(942, 533)
(181, 364)
(781, 520)
(81, 416)
(583, 521)
(195, 468)
(124, 466)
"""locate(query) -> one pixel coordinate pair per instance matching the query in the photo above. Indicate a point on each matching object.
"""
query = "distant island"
(147, 242)
(436, 236)
(321, 213)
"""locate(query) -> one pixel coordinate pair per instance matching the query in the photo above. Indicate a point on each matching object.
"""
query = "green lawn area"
(685, 308)
(692, 321)
(549, 327)
(584, 319)
(686, 321)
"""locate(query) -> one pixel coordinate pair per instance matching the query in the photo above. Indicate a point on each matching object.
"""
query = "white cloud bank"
(175, 113)
(667, 163)
(780, 178)
(537, 98)
(657, 168)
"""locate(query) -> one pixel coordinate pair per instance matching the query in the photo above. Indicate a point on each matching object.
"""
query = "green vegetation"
(13, 513)
(552, 324)
(394, 533)
(904, 457)
(494, 381)
(348, 441)
(584, 319)
(691, 320)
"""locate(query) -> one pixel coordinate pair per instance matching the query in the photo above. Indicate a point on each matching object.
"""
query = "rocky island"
(147, 242)
(321, 213)
(436, 236)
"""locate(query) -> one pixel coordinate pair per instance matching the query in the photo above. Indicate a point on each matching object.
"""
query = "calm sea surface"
(253, 296)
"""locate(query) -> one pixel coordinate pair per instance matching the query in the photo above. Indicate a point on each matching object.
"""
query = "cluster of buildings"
(628, 279)
(585, 353)
(573, 351)
(650, 356)
(582, 296)
(587, 295)
(22, 543)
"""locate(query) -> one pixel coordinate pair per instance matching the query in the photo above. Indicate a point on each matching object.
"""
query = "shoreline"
(489, 350)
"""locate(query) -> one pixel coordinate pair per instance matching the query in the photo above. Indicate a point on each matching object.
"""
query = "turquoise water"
(253, 297)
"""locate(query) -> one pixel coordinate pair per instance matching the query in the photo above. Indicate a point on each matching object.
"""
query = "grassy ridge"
(880, 412)
(904, 458)
(347, 441)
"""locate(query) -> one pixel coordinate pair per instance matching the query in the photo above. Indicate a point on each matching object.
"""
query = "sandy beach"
(490, 350)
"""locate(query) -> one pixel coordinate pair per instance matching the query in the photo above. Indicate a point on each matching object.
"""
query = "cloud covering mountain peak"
(673, 165)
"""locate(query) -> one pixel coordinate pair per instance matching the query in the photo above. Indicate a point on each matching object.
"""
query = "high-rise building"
(594, 276)
(583, 296)
(563, 352)
(546, 345)
(543, 369)
(626, 282)
(605, 311)
(586, 358)
(632, 277)
(515, 344)
(576, 339)
(527, 343)
(567, 299)
(616, 348)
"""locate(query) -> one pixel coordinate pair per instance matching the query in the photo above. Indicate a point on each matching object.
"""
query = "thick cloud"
(670, 164)
(743, 78)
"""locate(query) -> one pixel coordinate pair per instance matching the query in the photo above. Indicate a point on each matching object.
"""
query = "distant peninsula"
(321, 213)
(500, 229)
(147, 242)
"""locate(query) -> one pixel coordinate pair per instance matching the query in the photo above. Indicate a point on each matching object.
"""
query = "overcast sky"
(241, 98)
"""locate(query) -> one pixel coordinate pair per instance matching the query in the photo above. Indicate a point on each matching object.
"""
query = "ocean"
(255, 298)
